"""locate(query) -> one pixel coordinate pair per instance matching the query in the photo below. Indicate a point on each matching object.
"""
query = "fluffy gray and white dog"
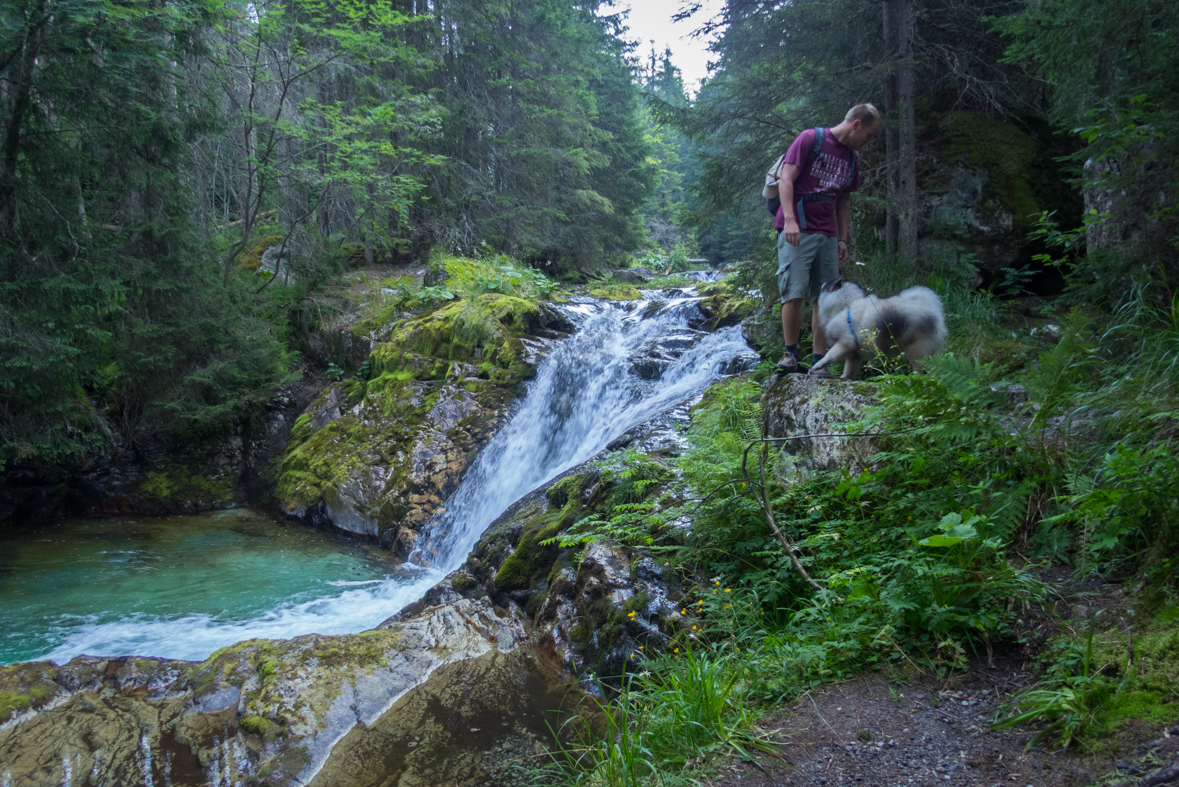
(858, 326)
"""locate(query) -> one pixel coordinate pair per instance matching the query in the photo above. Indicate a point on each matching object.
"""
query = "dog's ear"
(831, 286)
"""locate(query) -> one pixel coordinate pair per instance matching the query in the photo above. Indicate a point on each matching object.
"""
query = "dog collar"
(852, 328)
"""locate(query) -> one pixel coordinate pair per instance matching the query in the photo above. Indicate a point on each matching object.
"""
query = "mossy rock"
(518, 316)
(1146, 690)
(1005, 151)
(315, 464)
(615, 293)
(725, 305)
(388, 358)
(261, 726)
(531, 561)
(177, 486)
(26, 686)
(252, 259)
(461, 329)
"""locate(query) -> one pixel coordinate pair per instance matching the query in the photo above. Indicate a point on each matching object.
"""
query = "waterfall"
(586, 393)
(625, 364)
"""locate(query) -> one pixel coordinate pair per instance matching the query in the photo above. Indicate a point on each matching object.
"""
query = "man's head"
(860, 125)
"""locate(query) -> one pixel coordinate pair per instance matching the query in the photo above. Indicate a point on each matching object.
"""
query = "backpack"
(770, 189)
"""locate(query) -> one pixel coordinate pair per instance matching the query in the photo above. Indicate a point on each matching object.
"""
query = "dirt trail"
(874, 733)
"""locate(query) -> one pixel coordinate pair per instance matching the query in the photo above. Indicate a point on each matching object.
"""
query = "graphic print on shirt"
(832, 173)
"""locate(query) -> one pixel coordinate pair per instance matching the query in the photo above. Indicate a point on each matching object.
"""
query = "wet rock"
(739, 364)
(653, 359)
(637, 276)
(136, 721)
(378, 457)
(467, 724)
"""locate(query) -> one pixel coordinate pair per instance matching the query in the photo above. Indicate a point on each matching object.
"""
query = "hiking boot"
(822, 374)
(789, 365)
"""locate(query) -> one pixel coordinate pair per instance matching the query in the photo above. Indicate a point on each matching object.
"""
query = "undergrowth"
(921, 557)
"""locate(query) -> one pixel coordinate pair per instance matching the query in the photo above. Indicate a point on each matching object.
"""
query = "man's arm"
(786, 193)
(842, 222)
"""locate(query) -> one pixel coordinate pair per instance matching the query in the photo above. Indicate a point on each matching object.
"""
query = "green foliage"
(495, 273)
(175, 484)
(616, 753)
(1067, 699)
(683, 709)
(1125, 114)
(632, 519)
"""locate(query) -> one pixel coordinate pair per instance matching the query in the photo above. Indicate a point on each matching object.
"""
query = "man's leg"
(794, 266)
(791, 320)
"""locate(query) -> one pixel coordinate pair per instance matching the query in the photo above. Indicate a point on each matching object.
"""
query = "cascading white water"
(586, 394)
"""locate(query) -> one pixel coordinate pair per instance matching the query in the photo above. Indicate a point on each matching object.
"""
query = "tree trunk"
(907, 198)
(21, 106)
(891, 120)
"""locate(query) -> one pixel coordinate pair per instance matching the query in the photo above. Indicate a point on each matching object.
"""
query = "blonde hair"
(865, 113)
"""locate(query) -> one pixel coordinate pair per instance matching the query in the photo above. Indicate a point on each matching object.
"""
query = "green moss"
(252, 259)
(315, 464)
(463, 582)
(388, 358)
(1005, 151)
(615, 292)
(178, 484)
(260, 725)
(531, 562)
(419, 352)
(518, 316)
(11, 704)
(726, 305)
(560, 493)
(1147, 692)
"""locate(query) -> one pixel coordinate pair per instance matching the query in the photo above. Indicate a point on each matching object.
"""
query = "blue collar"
(852, 328)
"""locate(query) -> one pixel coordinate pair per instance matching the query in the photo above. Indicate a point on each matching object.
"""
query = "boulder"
(377, 457)
(262, 712)
(636, 276)
(796, 405)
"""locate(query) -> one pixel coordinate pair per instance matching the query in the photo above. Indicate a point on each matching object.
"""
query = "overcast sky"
(651, 19)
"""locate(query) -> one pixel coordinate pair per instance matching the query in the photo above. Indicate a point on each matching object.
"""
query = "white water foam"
(195, 637)
(586, 394)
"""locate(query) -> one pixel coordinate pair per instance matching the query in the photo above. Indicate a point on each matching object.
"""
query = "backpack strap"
(817, 147)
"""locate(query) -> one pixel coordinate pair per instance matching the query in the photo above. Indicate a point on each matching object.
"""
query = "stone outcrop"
(377, 457)
(795, 404)
(991, 180)
(158, 478)
(266, 712)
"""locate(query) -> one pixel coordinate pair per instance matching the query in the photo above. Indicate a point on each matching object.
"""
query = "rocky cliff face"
(984, 185)
(377, 457)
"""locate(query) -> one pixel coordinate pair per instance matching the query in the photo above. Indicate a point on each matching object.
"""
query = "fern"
(1061, 369)
(966, 379)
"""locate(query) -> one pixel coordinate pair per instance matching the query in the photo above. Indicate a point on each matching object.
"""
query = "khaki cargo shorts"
(803, 269)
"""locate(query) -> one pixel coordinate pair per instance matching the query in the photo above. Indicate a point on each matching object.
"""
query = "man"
(812, 244)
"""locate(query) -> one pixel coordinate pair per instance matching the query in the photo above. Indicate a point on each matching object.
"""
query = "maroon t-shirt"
(827, 174)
